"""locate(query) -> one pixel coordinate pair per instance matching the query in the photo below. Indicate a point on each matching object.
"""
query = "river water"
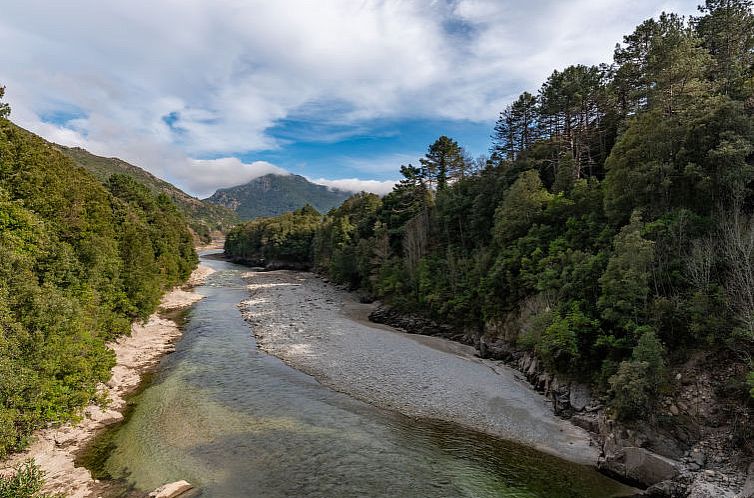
(236, 422)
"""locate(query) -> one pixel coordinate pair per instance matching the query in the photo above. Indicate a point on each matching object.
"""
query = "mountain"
(203, 217)
(272, 194)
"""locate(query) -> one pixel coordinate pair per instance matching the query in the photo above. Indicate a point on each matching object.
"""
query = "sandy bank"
(54, 449)
(320, 330)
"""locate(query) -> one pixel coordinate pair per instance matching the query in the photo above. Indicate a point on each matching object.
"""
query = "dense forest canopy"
(79, 262)
(203, 218)
(611, 228)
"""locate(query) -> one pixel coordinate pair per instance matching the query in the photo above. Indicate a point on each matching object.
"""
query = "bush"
(26, 482)
(634, 388)
(631, 389)
(561, 344)
(558, 346)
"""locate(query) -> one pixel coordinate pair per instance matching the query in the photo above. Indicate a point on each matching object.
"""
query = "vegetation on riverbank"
(26, 482)
(79, 262)
(611, 228)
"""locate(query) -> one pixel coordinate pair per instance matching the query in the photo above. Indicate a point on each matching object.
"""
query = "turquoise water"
(236, 422)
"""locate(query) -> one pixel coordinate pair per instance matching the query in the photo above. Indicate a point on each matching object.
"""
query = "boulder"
(171, 490)
(665, 489)
(648, 468)
(698, 457)
(580, 396)
(587, 421)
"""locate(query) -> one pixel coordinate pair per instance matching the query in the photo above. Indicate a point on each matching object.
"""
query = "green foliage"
(559, 345)
(635, 386)
(443, 162)
(625, 283)
(521, 207)
(286, 238)
(727, 31)
(70, 255)
(341, 244)
(25, 482)
(203, 217)
(750, 380)
(4, 107)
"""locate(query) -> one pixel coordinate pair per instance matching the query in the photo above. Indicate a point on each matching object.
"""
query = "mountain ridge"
(204, 218)
(273, 194)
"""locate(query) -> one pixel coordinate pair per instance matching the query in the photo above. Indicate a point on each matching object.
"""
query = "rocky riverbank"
(315, 327)
(690, 449)
(55, 449)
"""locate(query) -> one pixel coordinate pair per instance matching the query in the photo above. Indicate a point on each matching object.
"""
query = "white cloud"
(226, 71)
(357, 185)
(207, 175)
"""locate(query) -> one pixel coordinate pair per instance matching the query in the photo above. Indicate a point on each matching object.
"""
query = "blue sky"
(375, 151)
(213, 94)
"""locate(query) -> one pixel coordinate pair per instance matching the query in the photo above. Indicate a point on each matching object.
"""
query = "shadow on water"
(237, 422)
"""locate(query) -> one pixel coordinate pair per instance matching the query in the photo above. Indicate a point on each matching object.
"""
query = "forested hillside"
(285, 239)
(272, 194)
(610, 231)
(203, 217)
(79, 262)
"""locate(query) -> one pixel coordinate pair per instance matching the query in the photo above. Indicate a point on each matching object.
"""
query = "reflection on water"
(237, 422)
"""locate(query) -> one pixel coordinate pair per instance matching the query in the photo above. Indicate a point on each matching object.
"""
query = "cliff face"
(271, 195)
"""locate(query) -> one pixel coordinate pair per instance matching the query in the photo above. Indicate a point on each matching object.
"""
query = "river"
(237, 422)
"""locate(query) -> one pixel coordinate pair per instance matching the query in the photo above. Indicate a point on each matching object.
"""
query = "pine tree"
(516, 128)
(727, 31)
(443, 162)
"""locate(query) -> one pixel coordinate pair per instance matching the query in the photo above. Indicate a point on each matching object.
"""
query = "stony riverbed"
(316, 327)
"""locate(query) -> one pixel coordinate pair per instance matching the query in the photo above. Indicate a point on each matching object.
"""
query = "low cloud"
(207, 175)
(357, 185)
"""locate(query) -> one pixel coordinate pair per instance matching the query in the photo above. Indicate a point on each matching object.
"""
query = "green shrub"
(635, 386)
(26, 482)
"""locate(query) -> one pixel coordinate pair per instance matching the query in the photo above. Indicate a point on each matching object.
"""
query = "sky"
(210, 94)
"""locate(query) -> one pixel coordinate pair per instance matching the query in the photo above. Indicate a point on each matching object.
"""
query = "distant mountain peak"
(273, 194)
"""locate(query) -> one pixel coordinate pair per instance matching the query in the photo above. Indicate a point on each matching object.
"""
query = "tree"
(737, 244)
(522, 204)
(572, 117)
(443, 162)
(632, 80)
(727, 32)
(635, 386)
(661, 65)
(4, 107)
(516, 128)
(625, 283)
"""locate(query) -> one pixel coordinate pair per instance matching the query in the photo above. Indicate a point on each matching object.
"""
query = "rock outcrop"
(171, 490)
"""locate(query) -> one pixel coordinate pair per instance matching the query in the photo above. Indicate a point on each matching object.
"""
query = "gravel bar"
(319, 329)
